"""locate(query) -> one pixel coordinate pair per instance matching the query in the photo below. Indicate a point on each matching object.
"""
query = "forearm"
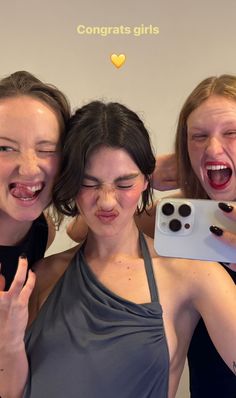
(13, 373)
(146, 221)
(77, 229)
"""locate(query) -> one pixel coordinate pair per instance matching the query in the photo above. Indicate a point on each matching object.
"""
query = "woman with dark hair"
(111, 125)
(112, 319)
(33, 116)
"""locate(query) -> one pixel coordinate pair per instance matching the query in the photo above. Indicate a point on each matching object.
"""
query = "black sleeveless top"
(87, 342)
(33, 245)
(210, 377)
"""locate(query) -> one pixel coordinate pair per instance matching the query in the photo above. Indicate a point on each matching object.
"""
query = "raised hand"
(165, 174)
(14, 307)
(226, 236)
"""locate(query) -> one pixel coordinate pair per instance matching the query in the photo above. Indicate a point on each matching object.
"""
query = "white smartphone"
(182, 230)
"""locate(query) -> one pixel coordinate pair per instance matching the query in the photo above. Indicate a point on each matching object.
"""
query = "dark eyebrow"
(88, 177)
(118, 179)
(127, 177)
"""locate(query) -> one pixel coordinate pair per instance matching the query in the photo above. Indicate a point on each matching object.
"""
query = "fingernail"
(23, 255)
(216, 230)
(225, 207)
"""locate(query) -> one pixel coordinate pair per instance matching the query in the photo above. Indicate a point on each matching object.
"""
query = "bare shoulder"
(51, 268)
(48, 271)
(196, 272)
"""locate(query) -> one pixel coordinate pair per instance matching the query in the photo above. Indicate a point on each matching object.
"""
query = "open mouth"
(218, 175)
(25, 192)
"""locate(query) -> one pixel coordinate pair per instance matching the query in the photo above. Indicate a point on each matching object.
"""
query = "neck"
(105, 248)
(12, 231)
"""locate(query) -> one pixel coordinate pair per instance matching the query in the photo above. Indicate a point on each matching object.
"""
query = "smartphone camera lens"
(184, 210)
(175, 225)
(168, 209)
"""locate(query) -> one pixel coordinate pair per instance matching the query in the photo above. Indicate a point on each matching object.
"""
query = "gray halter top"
(87, 342)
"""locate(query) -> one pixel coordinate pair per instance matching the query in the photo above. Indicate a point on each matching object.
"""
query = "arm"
(13, 321)
(146, 221)
(215, 300)
(164, 179)
(77, 229)
(165, 173)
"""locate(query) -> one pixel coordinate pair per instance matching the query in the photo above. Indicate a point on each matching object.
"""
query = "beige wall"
(196, 39)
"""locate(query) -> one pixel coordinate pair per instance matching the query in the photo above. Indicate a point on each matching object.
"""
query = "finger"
(28, 287)
(229, 238)
(20, 276)
(228, 209)
(225, 236)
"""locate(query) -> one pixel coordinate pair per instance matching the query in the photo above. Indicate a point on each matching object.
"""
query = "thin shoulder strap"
(149, 268)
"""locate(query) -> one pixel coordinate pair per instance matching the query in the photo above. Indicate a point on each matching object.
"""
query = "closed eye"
(124, 186)
(230, 133)
(198, 136)
(91, 185)
(47, 152)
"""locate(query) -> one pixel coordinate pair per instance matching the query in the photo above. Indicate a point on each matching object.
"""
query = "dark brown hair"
(94, 125)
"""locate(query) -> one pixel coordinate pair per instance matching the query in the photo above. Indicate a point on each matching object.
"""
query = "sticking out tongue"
(21, 191)
(218, 178)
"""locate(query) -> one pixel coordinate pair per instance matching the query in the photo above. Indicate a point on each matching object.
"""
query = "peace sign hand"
(14, 308)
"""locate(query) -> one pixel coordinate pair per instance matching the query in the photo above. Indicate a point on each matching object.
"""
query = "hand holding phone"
(182, 230)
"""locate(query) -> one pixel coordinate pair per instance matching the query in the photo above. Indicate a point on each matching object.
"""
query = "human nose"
(214, 146)
(106, 197)
(29, 164)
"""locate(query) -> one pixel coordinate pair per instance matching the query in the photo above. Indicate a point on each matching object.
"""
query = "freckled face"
(211, 133)
(29, 135)
(112, 187)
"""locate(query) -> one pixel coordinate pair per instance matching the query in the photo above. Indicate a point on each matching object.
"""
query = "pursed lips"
(106, 215)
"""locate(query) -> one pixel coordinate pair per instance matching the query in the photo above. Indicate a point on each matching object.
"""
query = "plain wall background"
(196, 39)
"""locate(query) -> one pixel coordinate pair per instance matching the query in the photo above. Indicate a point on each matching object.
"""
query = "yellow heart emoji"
(118, 60)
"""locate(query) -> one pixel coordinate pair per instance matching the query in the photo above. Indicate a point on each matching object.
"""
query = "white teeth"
(35, 188)
(216, 167)
(25, 199)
